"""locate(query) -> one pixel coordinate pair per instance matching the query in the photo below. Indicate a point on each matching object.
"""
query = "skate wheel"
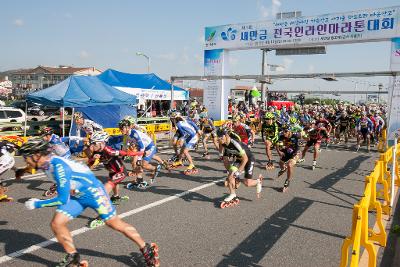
(285, 189)
(154, 246)
(236, 201)
(49, 193)
(84, 263)
(224, 205)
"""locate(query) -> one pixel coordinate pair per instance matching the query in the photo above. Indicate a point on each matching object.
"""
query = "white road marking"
(82, 230)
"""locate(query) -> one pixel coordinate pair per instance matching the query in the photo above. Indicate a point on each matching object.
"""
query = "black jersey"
(237, 149)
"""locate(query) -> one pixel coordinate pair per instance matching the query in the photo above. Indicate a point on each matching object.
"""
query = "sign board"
(394, 92)
(216, 94)
(152, 94)
(364, 25)
(371, 25)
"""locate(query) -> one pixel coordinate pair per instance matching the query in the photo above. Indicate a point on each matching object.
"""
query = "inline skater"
(315, 135)
(84, 127)
(364, 129)
(112, 161)
(243, 163)
(178, 139)
(243, 130)
(191, 132)
(208, 129)
(145, 145)
(287, 147)
(7, 162)
(379, 125)
(77, 189)
(60, 148)
(269, 135)
(344, 127)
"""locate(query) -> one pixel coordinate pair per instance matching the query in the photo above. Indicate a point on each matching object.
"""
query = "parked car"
(11, 114)
(40, 110)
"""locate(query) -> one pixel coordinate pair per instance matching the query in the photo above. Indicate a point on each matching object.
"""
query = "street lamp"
(148, 60)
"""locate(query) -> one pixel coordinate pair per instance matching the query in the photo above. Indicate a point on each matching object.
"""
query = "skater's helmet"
(47, 131)
(269, 116)
(124, 123)
(78, 115)
(99, 137)
(131, 119)
(33, 146)
(222, 131)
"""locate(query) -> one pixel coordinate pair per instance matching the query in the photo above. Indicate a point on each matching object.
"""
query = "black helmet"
(34, 146)
(222, 131)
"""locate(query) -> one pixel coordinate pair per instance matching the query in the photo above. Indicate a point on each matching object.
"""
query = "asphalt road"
(304, 227)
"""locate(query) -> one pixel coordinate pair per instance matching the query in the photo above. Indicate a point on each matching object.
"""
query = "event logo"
(229, 35)
(211, 36)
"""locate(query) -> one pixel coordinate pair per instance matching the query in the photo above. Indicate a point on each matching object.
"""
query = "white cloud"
(267, 11)
(18, 22)
(83, 54)
(276, 4)
(168, 56)
(263, 9)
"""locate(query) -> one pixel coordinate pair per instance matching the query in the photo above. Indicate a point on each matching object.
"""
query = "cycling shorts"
(95, 198)
(190, 142)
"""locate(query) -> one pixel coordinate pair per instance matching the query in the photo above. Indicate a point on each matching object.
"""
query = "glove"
(30, 204)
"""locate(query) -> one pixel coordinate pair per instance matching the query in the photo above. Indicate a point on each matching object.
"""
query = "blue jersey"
(70, 177)
(187, 128)
(59, 146)
(365, 124)
(142, 140)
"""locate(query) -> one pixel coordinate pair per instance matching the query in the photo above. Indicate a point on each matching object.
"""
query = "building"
(27, 80)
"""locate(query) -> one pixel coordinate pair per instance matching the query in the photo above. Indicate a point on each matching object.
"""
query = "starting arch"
(371, 25)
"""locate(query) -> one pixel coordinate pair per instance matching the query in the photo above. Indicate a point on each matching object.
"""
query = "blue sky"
(107, 34)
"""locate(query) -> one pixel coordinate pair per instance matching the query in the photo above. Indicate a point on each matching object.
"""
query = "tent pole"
(172, 95)
(63, 121)
(26, 116)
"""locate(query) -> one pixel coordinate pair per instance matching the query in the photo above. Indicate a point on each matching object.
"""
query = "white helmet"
(99, 137)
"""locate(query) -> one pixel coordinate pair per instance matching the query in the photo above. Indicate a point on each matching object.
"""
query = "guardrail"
(373, 200)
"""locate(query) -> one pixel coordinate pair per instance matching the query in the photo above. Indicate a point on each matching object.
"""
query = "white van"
(10, 114)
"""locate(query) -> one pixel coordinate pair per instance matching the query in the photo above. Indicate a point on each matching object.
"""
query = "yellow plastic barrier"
(218, 123)
(361, 234)
(382, 141)
(112, 131)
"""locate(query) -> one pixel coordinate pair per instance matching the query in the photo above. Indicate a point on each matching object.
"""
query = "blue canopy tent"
(87, 93)
(143, 86)
(81, 91)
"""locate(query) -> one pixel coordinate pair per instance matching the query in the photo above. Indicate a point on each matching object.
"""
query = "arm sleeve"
(62, 175)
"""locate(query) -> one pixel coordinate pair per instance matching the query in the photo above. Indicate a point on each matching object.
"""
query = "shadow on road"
(251, 250)
(331, 179)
